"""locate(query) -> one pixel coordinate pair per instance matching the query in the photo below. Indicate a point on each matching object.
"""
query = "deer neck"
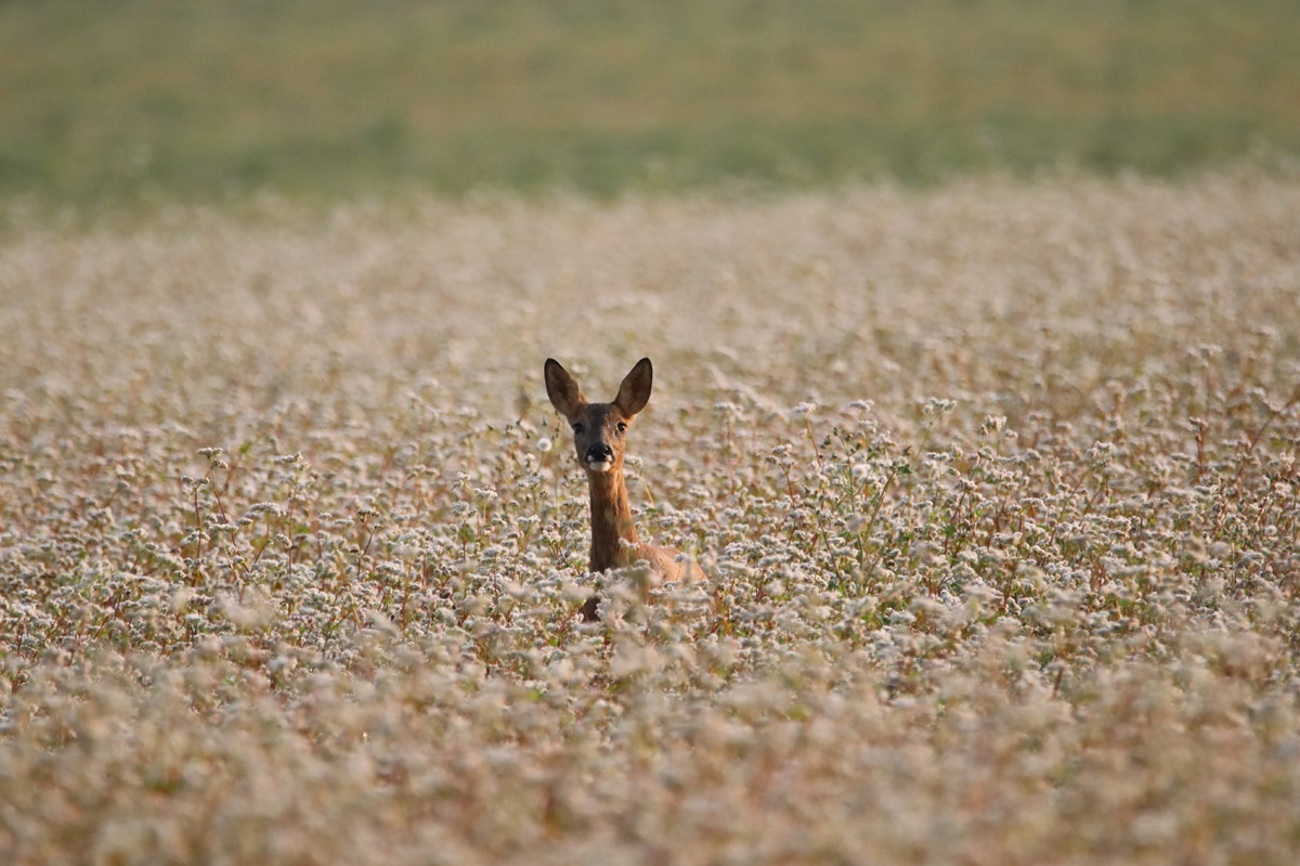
(611, 521)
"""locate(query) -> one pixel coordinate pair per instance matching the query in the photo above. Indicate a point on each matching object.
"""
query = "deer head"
(599, 429)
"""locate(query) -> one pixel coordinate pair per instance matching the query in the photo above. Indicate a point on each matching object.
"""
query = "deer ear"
(634, 393)
(563, 390)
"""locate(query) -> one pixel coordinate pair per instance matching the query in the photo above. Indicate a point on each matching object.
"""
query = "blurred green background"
(164, 100)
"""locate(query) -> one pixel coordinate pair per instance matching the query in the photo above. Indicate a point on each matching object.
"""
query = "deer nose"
(599, 452)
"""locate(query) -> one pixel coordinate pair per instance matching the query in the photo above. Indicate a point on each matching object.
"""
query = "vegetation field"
(150, 100)
(995, 486)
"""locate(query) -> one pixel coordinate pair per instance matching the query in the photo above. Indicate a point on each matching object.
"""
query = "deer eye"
(622, 426)
(579, 428)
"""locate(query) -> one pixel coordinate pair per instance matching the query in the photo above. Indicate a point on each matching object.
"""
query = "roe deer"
(599, 431)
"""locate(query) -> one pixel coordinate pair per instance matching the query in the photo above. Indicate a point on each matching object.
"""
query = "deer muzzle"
(600, 457)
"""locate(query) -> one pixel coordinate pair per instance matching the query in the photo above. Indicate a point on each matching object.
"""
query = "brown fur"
(603, 427)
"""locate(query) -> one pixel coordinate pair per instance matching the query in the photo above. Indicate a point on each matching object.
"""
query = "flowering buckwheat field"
(995, 487)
